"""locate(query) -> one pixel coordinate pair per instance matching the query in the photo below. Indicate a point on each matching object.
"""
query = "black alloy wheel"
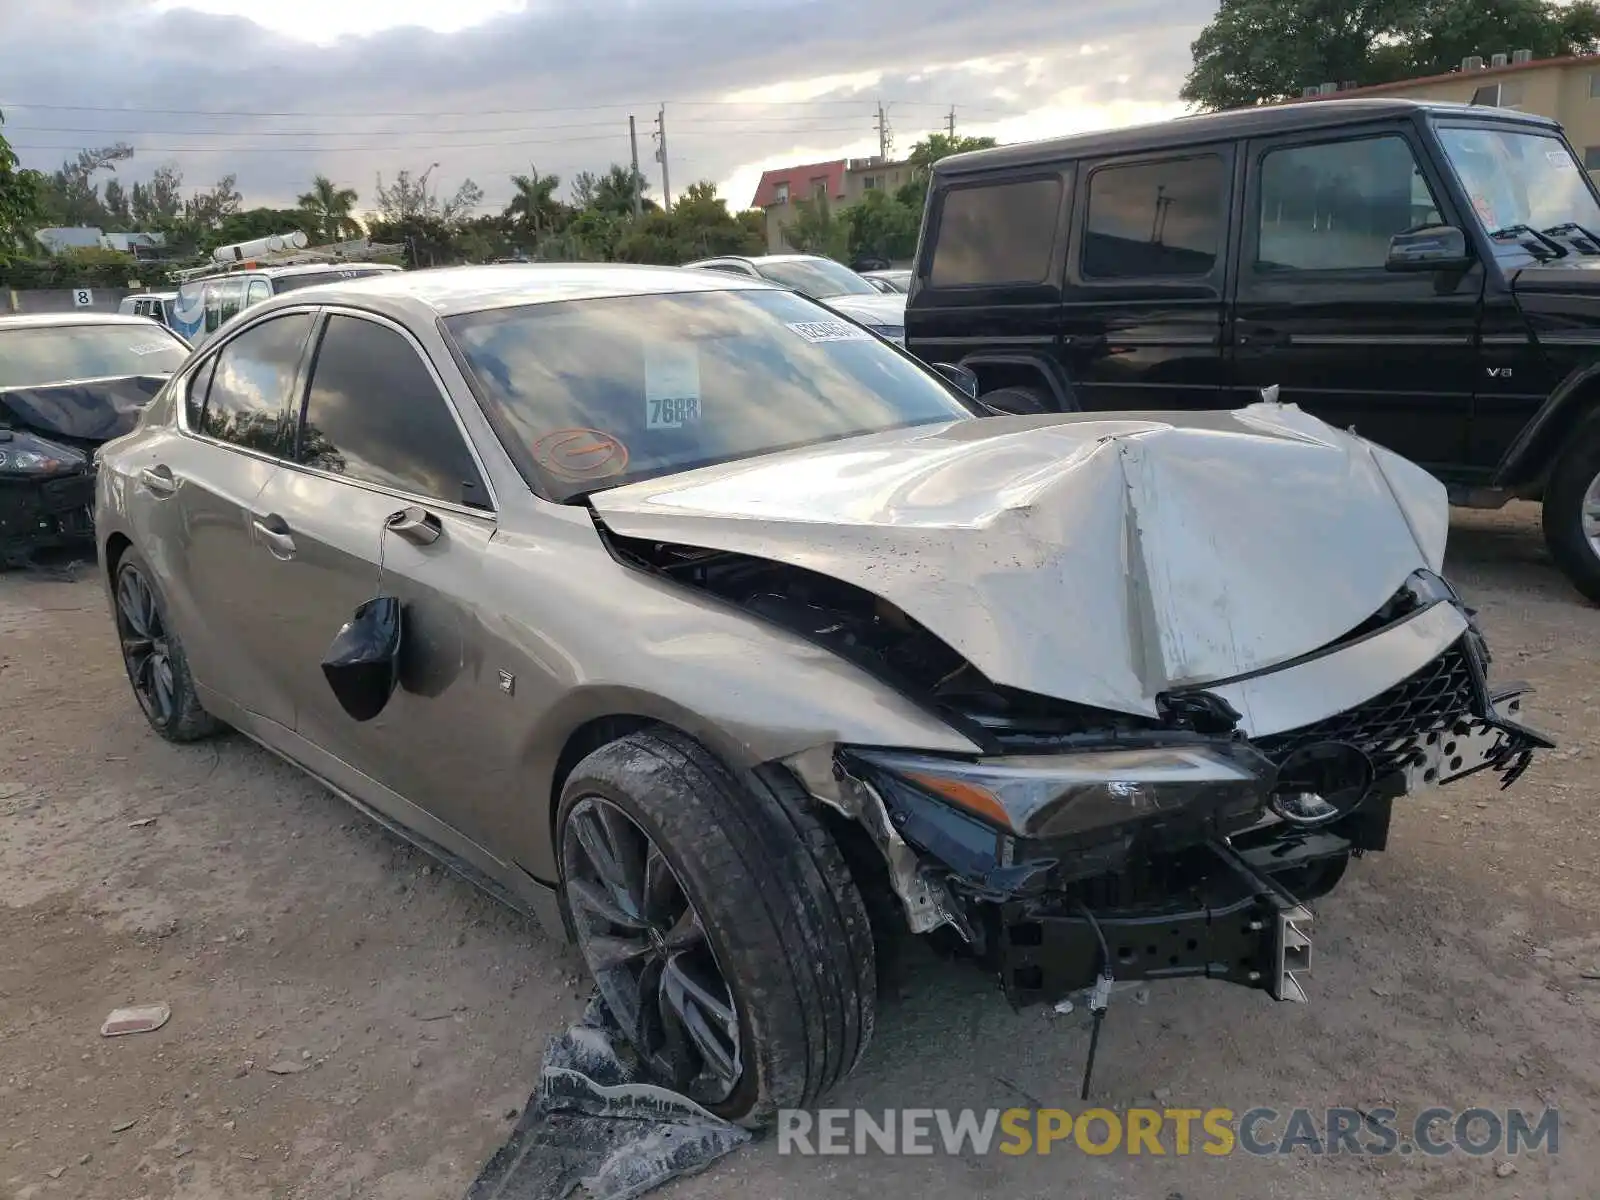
(646, 946)
(145, 646)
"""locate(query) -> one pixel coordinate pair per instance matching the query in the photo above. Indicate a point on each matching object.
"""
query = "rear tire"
(782, 915)
(1572, 509)
(153, 656)
(1017, 401)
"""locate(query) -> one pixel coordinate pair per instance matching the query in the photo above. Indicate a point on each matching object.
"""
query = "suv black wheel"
(153, 655)
(1572, 509)
(720, 923)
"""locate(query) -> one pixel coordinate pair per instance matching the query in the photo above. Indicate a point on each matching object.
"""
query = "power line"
(389, 149)
(785, 122)
(481, 112)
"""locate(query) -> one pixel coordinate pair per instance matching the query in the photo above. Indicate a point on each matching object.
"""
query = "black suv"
(1426, 273)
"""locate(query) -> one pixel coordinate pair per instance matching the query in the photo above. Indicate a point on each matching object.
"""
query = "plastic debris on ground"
(143, 1019)
(597, 1123)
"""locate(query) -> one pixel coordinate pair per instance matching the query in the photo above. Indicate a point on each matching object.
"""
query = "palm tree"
(534, 208)
(331, 210)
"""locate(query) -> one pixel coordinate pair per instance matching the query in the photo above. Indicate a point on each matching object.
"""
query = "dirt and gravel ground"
(348, 1021)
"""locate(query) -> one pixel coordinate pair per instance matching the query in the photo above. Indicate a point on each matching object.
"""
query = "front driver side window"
(1334, 206)
(251, 401)
(374, 413)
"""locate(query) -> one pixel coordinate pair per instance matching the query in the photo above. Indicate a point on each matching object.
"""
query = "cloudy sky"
(276, 91)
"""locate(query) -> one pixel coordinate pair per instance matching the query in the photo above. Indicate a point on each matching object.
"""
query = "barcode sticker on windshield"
(143, 348)
(830, 331)
(671, 386)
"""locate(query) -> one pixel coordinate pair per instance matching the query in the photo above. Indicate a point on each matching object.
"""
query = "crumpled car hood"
(1100, 559)
(94, 410)
(879, 309)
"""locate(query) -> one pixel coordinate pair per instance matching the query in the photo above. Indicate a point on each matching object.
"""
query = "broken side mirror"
(362, 665)
(964, 378)
(1431, 248)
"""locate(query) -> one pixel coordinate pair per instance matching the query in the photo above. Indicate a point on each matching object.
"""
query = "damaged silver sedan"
(702, 624)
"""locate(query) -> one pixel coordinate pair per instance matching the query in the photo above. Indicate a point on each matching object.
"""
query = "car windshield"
(816, 277)
(34, 355)
(1523, 184)
(591, 394)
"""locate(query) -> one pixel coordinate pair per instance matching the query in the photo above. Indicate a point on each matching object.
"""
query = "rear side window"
(374, 413)
(260, 290)
(250, 401)
(1155, 220)
(1002, 233)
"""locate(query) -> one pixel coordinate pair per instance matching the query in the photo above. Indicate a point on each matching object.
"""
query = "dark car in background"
(1426, 274)
(69, 382)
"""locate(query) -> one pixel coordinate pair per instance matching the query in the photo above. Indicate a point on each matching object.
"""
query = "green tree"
(330, 210)
(927, 152)
(1263, 51)
(882, 226)
(21, 202)
(534, 209)
(816, 229)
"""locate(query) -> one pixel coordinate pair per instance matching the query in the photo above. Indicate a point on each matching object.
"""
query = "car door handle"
(274, 532)
(416, 525)
(158, 481)
(1270, 338)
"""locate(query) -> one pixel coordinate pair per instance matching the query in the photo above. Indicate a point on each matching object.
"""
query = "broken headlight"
(1069, 795)
(26, 455)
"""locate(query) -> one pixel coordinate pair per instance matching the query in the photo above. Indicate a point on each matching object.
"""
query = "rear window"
(1001, 233)
(1154, 220)
(32, 356)
(291, 283)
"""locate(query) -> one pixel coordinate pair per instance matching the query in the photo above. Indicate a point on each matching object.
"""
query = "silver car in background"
(696, 621)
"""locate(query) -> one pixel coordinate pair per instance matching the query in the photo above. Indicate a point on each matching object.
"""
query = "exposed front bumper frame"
(38, 514)
(1245, 929)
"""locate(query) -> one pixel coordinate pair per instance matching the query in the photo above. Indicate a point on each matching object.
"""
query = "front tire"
(720, 923)
(152, 654)
(1572, 509)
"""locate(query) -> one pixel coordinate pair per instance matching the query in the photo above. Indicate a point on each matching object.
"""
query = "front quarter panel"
(586, 638)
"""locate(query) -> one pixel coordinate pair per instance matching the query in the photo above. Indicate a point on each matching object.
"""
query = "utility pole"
(885, 134)
(952, 122)
(633, 144)
(661, 156)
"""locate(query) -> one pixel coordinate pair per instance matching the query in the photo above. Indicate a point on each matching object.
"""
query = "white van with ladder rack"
(246, 273)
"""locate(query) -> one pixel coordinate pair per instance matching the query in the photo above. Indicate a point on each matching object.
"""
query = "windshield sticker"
(671, 386)
(1559, 158)
(830, 331)
(580, 454)
(143, 348)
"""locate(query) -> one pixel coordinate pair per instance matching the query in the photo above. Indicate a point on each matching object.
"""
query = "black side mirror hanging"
(362, 665)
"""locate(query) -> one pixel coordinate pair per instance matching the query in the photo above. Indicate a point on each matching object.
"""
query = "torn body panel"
(1098, 561)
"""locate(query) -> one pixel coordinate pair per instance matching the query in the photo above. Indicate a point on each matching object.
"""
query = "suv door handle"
(1271, 338)
(416, 525)
(159, 481)
(273, 530)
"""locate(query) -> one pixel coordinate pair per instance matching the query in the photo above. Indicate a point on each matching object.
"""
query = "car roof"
(450, 291)
(1200, 128)
(758, 258)
(55, 319)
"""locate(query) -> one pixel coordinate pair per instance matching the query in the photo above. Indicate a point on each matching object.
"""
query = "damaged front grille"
(1393, 727)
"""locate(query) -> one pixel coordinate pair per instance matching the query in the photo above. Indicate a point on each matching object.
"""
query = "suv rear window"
(1002, 233)
(1154, 220)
